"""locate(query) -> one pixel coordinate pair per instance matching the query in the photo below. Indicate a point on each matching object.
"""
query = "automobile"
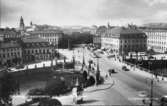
(163, 100)
(111, 71)
(78, 95)
(110, 56)
(125, 68)
(19, 66)
(79, 98)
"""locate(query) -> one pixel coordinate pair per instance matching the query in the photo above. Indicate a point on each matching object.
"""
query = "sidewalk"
(145, 73)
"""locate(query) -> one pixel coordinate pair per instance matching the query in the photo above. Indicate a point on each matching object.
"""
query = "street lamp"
(83, 63)
(151, 89)
(97, 72)
(73, 59)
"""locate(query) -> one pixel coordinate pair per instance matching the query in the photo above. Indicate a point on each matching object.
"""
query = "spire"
(21, 23)
(31, 23)
(108, 25)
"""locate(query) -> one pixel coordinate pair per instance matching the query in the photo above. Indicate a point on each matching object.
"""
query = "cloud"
(153, 2)
(85, 12)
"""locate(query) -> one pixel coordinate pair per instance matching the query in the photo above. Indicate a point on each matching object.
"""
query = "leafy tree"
(50, 102)
(56, 86)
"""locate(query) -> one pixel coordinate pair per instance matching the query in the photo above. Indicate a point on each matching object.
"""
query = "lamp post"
(73, 59)
(97, 72)
(83, 63)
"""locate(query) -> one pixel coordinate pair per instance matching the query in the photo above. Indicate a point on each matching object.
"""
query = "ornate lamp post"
(151, 89)
(97, 72)
(83, 63)
(73, 59)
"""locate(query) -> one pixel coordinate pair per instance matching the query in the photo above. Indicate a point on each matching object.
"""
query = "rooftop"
(123, 31)
(33, 39)
(46, 31)
(9, 45)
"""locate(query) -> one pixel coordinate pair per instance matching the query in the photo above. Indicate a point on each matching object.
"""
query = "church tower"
(21, 23)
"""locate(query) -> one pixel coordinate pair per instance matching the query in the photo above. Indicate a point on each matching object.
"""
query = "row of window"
(11, 50)
(156, 33)
(11, 36)
(133, 41)
(7, 55)
(37, 51)
(157, 37)
(160, 48)
(157, 42)
(49, 35)
(52, 40)
(133, 46)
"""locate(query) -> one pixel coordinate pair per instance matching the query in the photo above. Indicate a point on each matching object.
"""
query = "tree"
(50, 102)
(8, 86)
(56, 86)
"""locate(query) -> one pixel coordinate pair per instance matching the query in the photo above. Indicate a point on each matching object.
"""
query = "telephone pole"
(151, 89)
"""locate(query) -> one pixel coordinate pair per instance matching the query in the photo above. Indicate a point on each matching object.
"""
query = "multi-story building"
(97, 37)
(1, 35)
(36, 49)
(157, 40)
(52, 36)
(123, 40)
(8, 35)
(11, 35)
(10, 53)
(97, 40)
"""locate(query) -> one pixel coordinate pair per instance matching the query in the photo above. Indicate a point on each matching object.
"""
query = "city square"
(98, 53)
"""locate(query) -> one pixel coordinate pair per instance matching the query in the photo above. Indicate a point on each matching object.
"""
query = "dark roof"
(123, 31)
(33, 39)
(154, 30)
(35, 42)
(9, 45)
(9, 31)
(46, 31)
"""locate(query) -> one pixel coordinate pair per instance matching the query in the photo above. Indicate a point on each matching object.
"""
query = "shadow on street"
(87, 101)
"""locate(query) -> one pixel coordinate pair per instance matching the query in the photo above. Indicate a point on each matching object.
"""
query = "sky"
(82, 12)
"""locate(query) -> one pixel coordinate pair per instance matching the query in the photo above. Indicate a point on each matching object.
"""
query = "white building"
(157, 40)
(10, 53)
(123, 40)
(53, 36)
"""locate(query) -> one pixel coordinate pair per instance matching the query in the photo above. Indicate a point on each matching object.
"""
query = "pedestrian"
(106, 76)
(144, 102)
(109, 73)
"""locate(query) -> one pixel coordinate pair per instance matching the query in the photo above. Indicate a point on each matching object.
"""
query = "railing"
(142, 69)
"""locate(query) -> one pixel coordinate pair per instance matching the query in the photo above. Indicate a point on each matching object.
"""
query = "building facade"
(121, 40)
(53, 36)
(10, 53)
(36, 49)
(97, 37)
(157, 40)
(8, 35)
(97, 40)
(12, 35)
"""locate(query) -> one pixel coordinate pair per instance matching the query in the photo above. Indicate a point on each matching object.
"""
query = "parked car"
(19, 66)
(111, 71)
(163, 100)
(125, 68)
